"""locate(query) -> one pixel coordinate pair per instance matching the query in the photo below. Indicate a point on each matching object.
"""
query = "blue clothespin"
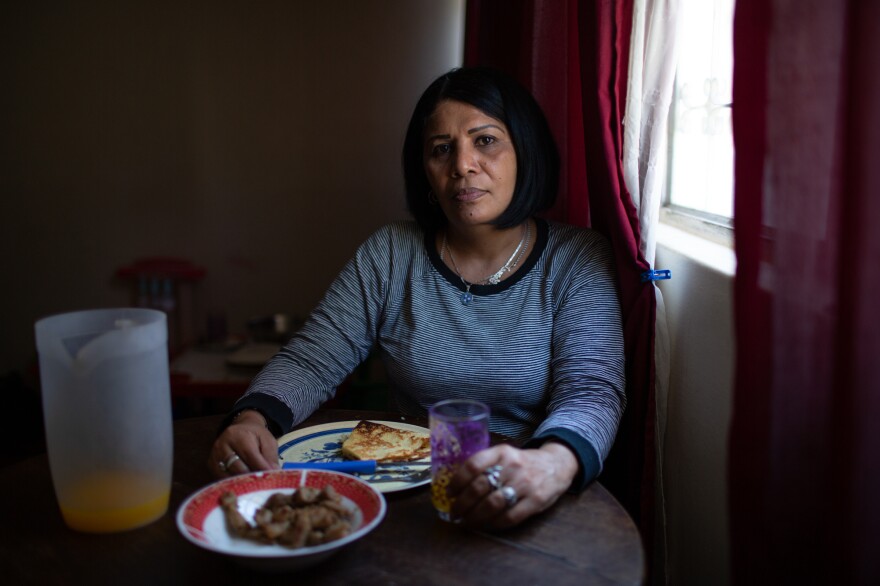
(658, 275)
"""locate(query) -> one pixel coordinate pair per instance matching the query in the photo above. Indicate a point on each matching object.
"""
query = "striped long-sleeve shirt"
(543, 348)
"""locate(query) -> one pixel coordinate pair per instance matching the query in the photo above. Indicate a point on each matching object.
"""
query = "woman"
(477, 298)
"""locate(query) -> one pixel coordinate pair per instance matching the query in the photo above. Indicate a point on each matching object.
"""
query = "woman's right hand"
(246, 445)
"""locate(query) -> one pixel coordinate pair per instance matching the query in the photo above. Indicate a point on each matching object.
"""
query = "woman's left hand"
(526, 483)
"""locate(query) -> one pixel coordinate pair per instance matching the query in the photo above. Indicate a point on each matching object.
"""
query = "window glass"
(701, 140)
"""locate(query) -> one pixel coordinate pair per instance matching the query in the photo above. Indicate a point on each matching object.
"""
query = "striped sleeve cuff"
(278, 416)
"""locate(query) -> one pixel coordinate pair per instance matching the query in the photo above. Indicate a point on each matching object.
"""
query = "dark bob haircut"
(502, 98)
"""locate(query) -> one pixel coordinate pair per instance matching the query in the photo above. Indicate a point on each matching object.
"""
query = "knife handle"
(350, 466)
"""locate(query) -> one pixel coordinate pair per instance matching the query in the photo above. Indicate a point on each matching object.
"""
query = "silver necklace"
(495, 278)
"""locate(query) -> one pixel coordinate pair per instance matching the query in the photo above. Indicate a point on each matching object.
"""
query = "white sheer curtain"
(649, 96)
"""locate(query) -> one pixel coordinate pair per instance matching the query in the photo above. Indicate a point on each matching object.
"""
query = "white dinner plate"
(323, 443)
(254, 355)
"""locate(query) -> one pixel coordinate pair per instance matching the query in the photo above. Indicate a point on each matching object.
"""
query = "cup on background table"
(459, 429)
(107, 410)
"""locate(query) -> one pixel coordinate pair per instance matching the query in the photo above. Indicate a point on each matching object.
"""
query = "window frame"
(715, 227)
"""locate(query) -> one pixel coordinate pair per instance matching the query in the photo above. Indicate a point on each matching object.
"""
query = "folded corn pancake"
(374, 441)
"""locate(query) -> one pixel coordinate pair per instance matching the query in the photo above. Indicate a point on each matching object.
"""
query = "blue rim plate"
(323, 443)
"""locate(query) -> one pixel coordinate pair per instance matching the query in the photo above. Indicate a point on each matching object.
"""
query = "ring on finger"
(493, 475)
(509, 494)
(230, 461)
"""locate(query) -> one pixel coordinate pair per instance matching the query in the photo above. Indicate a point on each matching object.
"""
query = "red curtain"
(804, 470)
(574, 56)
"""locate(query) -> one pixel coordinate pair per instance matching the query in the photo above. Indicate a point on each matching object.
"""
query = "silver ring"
(229, 462)
(509, 494)
(493, 475)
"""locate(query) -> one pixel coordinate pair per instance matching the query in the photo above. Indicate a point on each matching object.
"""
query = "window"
(700, 178)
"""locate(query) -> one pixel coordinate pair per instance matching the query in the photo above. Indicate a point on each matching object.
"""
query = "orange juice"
(441, 477)
(114, 501)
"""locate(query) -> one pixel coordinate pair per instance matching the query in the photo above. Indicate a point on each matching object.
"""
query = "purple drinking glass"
(459, 429)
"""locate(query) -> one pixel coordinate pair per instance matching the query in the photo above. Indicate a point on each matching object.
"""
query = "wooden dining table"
(585, 538)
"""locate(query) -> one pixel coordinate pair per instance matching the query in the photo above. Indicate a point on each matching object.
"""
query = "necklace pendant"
(466, 298)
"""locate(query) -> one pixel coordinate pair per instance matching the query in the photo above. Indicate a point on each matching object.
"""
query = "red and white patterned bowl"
(201, 520)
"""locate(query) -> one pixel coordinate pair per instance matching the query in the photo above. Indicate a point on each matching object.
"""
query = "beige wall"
(259, 139)
(698, 302)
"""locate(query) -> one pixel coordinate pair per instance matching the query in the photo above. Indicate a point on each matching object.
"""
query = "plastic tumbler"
(459, 429)
(107, 410)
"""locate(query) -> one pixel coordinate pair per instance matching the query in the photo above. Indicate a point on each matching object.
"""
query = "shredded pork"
(309, 516)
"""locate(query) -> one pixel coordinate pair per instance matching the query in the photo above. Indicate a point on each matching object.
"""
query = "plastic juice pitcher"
(107, 409)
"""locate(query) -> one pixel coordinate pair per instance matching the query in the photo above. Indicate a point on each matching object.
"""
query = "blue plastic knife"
(356, 466)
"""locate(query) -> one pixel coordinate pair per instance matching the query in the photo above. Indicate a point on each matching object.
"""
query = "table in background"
(207, 380)
(583, 539)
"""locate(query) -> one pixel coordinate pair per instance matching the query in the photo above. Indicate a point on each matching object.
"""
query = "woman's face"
(470, 163)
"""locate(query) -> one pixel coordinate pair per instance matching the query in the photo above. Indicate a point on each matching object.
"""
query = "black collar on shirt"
(540, 244)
